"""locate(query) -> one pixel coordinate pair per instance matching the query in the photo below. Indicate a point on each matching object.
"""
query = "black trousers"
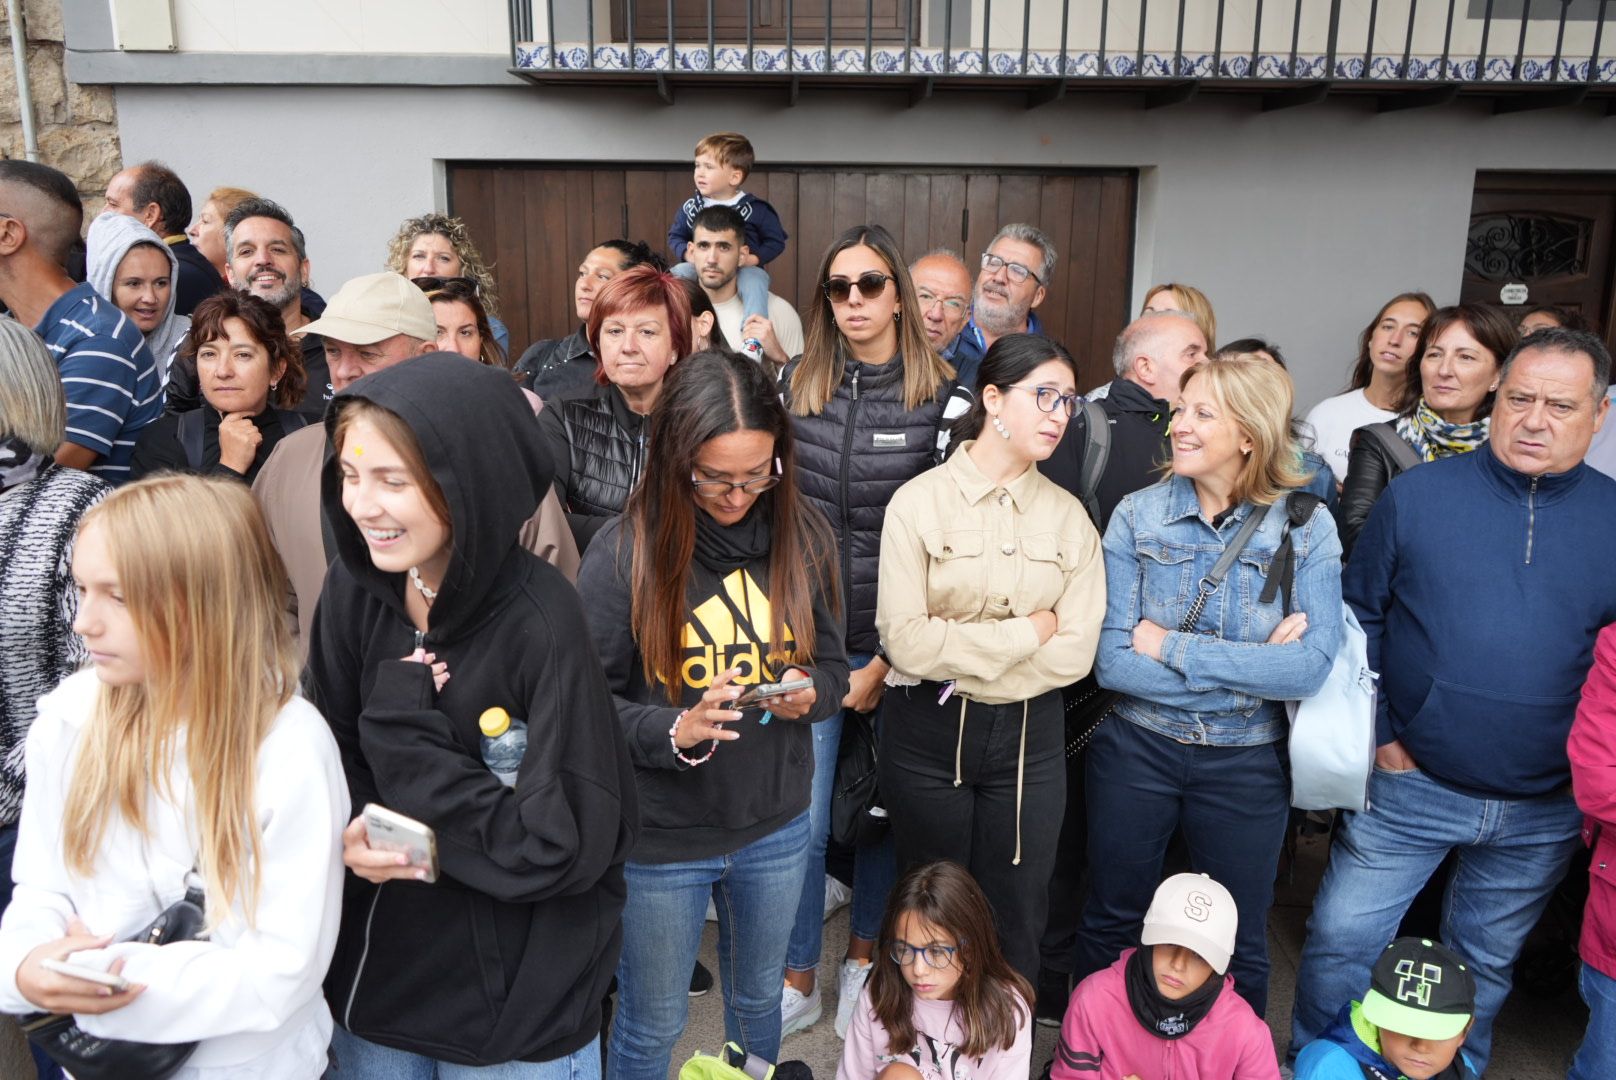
(974, 822)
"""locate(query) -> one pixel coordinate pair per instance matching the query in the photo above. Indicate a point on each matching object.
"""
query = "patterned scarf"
(18, 463)
(1433, 437)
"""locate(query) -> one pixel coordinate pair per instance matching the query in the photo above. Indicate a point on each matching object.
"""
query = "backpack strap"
(1385, 435)
(189, 433)
(291, 420)
(1096, 455)
(1299, 508)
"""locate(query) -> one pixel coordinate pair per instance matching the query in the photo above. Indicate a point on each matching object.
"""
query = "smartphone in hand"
(756, 695)
(388, 830)
(88, 974)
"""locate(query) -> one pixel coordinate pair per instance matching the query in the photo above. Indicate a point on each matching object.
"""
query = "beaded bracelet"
(673, 733)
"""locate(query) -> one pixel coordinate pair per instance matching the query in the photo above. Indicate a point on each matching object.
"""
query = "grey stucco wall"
(1297, 223)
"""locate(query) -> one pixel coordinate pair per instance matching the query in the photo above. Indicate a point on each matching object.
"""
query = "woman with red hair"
(639, 326)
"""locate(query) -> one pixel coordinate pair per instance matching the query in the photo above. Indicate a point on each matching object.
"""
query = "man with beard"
(267, 258)
(1015, 275)
(718, 240)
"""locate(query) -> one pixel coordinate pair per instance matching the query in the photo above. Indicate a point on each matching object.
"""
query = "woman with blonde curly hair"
(439, 246)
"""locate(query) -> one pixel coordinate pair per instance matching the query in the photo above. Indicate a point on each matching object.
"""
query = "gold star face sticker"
(359, 451)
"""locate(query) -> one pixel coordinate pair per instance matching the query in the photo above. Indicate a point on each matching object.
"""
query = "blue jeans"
(354, 1057)
(1596, 1058)
(1232, 803)
(752, 283)
(874, 867)
(1511, 854)
(754, 890)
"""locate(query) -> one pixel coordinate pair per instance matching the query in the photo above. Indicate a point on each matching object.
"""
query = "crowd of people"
(277, 569)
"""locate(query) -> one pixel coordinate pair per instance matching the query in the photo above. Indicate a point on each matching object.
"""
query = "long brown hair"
(1363, 369)
(991, 1000)
(1493, 331)
(205, 590)
(705, 396)
(825, 350)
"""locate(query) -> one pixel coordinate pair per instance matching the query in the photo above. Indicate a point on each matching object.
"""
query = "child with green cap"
(1410, 1026)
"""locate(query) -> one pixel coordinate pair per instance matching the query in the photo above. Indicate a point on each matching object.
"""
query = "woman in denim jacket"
(1195, 742)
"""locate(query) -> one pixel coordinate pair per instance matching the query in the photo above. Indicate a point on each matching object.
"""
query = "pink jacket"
(1592, 749)
(1102, 1040)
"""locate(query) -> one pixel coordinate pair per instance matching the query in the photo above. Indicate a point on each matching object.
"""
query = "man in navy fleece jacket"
(1481, 581)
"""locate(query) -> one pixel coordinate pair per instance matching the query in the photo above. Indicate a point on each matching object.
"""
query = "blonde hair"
(453, 230)
(32, 406)
(206, 592)
(226, 199)
(1192, 302)
(1255, 395)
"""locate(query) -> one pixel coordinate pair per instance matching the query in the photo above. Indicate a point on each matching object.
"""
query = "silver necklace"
(420, 586)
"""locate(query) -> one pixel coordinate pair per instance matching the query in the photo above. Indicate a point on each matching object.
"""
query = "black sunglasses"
(869, 285)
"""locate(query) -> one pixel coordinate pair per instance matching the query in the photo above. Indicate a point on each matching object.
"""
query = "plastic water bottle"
(504, 743)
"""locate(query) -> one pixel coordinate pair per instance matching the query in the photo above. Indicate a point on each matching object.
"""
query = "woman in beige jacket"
(992, 589)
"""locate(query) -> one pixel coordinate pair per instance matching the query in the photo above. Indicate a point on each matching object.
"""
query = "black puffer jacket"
(860, 449)
(597, 445)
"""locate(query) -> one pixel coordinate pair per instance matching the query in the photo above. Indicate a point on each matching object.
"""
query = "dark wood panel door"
(1555, 234)
(889, 20)
(537, 222)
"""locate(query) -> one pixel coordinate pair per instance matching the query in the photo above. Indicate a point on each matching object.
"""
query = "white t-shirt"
(787, 326)
(1333, 421)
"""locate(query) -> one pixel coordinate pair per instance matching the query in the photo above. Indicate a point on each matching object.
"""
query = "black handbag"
(87, 1057)
(856, 814)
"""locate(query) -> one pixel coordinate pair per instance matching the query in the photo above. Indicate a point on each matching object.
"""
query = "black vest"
(606, 451)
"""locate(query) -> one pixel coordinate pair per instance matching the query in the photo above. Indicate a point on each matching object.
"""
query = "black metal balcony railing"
(1538, 52)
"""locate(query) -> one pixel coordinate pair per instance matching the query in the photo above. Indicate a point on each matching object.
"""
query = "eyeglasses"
(1015, 271)
(433, 284)
(938, 957)
(1049, 399)
(952, 304)
(869, 286)
(717, 489)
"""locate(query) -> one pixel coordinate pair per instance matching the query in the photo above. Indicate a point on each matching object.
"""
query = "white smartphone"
(389, 830)
(88, 974)
(755, 695)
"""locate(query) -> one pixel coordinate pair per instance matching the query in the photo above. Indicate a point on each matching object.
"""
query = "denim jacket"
(1222, 685)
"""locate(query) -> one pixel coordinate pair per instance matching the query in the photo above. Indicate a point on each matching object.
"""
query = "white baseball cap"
(373, 308)
(1196, 912)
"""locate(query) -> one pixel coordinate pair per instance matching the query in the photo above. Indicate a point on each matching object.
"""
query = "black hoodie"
(753, 785)
(508, 955)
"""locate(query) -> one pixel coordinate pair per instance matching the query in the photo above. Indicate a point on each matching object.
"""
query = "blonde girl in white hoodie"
(186, 747)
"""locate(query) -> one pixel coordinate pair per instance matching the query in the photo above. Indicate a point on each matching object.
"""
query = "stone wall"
(77, 125)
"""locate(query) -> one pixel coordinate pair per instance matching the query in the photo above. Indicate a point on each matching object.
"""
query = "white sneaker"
(837, 895)
(712, 908)
(849, 985)
(798, 1011)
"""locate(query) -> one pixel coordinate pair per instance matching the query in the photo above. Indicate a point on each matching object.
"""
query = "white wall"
(1297, 223)
(349, 26)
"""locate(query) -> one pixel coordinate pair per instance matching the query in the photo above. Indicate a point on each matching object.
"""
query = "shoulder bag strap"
(1220, 570)
(1096, 454)
(1299, 508)
(1386, 435)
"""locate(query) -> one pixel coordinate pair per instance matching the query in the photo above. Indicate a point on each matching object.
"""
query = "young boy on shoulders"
(1168, 1008)
(723, 162)
(1410, 1026)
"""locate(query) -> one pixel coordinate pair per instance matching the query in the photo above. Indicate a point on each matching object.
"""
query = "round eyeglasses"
(1049, 399)
(717, 489)
(938, 957)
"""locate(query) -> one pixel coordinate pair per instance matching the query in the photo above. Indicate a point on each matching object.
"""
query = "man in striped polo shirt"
(109, 377)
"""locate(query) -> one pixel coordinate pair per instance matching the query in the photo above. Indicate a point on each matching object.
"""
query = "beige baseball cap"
(374, 308)
(1196, 912)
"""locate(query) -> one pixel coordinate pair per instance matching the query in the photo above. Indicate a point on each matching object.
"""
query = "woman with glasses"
(1195, 741)
(866, 400)
(992, 589)
(639, 326)
(718, 578)
(440, 246)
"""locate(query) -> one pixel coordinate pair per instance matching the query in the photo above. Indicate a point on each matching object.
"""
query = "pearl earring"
(998, 425)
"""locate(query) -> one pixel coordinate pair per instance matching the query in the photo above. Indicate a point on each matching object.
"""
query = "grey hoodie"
(111, 236)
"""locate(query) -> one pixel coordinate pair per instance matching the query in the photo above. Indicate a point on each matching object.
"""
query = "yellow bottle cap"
(494, 722)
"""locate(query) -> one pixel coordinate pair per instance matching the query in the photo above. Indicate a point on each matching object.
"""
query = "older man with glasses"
(943, 287)
(1014, 278)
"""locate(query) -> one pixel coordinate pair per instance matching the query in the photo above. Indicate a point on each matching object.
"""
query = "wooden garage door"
(537, 222)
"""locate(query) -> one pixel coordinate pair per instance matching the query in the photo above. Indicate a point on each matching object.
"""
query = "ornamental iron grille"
(1527, 247)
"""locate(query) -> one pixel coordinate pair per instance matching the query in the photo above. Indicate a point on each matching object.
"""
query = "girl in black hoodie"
(718, 576)
(432, 614)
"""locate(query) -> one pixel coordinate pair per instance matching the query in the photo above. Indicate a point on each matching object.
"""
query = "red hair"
(642, 286)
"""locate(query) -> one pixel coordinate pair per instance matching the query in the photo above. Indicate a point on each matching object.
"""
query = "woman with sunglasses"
(718, 578)
(866, 400)
(992, 592)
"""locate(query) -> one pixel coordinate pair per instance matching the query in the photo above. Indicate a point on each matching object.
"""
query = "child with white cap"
(1409, 1026)
(1168, 1008)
